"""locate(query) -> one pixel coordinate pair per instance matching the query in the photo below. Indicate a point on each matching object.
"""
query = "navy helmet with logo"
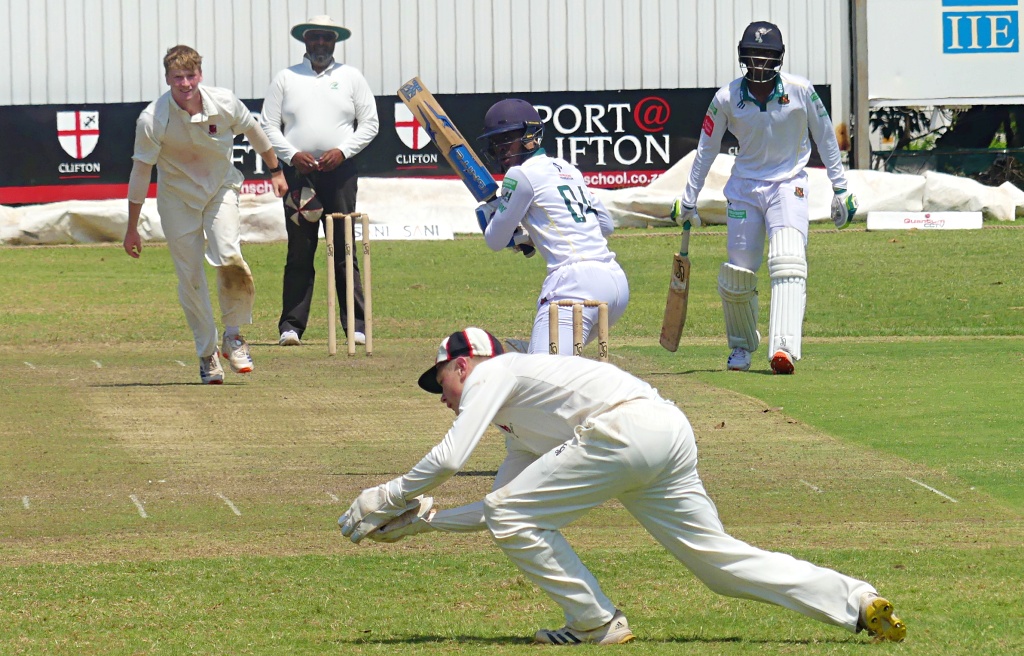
(761, 51)
(507, 122)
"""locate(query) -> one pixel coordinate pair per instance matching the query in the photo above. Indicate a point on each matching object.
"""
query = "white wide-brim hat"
(323, 23)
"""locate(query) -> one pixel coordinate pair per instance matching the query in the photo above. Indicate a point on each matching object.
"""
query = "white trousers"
(582, 281)
(757, 210)
(212, 232)
(644, 454)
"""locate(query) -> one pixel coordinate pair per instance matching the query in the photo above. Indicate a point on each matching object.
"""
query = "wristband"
(276, 169)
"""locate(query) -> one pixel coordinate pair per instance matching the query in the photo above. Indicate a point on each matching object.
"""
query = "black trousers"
(337, 193)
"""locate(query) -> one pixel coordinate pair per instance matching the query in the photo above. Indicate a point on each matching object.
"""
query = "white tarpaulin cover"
(403, 201)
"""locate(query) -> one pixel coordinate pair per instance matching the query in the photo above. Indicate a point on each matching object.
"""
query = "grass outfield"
(143, 513)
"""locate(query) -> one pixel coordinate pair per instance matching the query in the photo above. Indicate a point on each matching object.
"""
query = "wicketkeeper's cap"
(469, 343)
(322, 23)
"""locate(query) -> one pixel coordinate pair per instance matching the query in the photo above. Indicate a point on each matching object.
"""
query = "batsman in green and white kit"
(580, 432)
(770, 113)
(545, 203)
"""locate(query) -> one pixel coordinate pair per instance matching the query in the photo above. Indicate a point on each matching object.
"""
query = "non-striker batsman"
(770, 113)
(578, 433)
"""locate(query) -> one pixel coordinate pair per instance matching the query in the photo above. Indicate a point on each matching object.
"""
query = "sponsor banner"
(616, 138)
(924, 221)
(389, 232)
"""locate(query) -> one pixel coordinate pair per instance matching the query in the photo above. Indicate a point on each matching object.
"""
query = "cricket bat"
(453, 146)
(678, 295)
(448, 139)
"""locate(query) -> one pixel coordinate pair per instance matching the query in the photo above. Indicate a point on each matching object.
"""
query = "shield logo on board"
(78, 132)
(408, 128)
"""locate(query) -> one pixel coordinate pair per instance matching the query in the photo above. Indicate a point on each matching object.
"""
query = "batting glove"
(521, 242)
(372, 508)
(413, 521)
(682, 214)
(485, 212)
(844, 206)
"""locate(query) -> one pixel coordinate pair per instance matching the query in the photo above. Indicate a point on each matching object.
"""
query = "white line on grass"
(30, 365)
(816, 489)
(24, 502)
(99, 365)
(181, 363)
(334, 497)
(929, 487)
(138, 504)
(230, 505)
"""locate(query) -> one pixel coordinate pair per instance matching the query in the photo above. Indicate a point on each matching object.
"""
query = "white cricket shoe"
(615, 632)
(782, 363)
(289, 338)
(210, 372)
(739, 360)
(236, 350)
(360, 338)
(517, 345)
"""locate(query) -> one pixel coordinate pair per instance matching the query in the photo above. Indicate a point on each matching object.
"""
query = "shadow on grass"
(520, 640)
(177, 384)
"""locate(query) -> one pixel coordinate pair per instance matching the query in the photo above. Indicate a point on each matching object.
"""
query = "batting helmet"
(509, 121)
(761, 51)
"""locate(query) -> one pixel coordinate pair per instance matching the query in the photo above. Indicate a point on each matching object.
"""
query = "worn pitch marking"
(929, 487)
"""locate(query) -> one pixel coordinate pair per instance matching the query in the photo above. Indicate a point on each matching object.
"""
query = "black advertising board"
(616, 138)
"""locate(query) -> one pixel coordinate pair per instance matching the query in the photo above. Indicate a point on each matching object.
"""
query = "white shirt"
(566, 221)
(773, 138)
(537, 401)
(314, 112)
(192, 154)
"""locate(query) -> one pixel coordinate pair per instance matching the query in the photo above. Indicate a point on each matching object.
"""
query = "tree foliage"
(904, 124)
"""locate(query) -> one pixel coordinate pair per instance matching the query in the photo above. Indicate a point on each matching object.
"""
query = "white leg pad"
(787, 268)
(738, 288)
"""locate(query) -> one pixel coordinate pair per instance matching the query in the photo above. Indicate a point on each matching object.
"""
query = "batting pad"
(738, 288)
(787, 268)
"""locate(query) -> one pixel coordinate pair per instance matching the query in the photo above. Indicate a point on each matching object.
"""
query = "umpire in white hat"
(319, 114)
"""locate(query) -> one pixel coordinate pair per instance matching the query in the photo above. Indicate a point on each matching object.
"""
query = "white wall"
(931, 63)
(107, 51)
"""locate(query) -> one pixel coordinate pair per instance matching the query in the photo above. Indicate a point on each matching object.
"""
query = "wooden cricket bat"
(448, 139)
(678, 295)
(460, 155)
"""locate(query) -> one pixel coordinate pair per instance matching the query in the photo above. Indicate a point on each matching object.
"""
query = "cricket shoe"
(739, 360)
(879, 620)
(236, 350)
(615, 632)
(360, 338)
(210, 372)
(289, 338)
(782, 363)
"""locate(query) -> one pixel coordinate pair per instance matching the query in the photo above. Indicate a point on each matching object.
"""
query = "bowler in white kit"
(771, 114)
(544, 203)
(188, 133)
(580, 432)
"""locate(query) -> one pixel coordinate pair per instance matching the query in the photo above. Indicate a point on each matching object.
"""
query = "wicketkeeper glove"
(413, 521)
(372, 508)
(683, 213)
(844, 206)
